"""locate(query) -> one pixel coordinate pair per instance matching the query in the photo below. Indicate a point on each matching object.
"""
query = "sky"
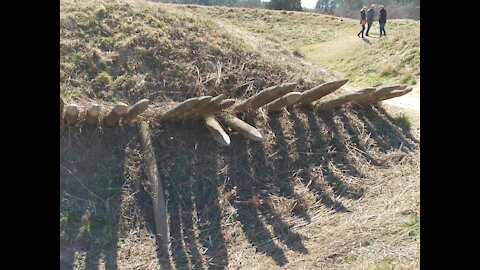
(309, 3)
(305, 3)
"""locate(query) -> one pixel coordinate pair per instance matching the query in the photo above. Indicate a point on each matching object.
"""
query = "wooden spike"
(286, 100)
(71, 113)
(320, 91)
(211, 107)
(264, 97)
(243, 128)
(216, 130)
(225, 104)
(193, 113)
(135, 110)
(397, 93)
(179, 109)
(378, 94)
(113, 117)
(62, 105)
(328, 105)
(91, 117)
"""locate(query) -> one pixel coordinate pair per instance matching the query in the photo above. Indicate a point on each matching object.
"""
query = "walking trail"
(347, 43)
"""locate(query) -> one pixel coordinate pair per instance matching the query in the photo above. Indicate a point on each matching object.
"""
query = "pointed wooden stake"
(113, 117)
(264, 97)
(328, 105)
(284, 101)
(217, 131)
(318, 92)
(243, 128)
(91, 117)
(135, 111)
(71, 113)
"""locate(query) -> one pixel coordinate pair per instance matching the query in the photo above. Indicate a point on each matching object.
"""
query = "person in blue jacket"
(382, 19)
(370, 18)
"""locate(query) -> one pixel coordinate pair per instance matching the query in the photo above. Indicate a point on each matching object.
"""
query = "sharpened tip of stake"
(94, 110)
(120, 108)
(72, 109)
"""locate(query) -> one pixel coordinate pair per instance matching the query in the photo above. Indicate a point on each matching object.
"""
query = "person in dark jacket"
(382, 19)
(370, 17)
(363, 20)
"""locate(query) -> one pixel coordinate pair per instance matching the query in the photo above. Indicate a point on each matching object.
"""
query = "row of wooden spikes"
(274, 99)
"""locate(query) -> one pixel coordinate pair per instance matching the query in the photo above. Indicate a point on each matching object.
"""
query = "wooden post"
(179, 109)
(286, 100)
(62, 104)
(71, 113)
(318, 92)
(91, 117)
(113, 117)
(135, 111)
(243, 128)
(159, 204)
(217, 131)
(264, 97)
(328, 105)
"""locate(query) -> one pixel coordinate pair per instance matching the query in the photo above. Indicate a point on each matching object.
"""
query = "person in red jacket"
(363, 20)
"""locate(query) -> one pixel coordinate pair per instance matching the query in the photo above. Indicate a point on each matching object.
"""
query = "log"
(91, 117)
(159, 204)
(114, 116)
(286, 100)
(318, 92)
(71, 113)
(328, 105)
(243, 128)
(264, 97)
(135, 110)
(216, 130)
(179, 109)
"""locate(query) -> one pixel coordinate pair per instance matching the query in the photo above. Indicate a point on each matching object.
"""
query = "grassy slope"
(335, 190)
(331, 42)
(133, 50)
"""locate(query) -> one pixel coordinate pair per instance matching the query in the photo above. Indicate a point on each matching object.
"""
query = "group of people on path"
(367, 17)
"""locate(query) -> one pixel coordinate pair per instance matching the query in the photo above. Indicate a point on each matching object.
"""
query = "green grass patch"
(412, 226)
(103, 78)
(383, 266)
(366, 242)
(404, 121)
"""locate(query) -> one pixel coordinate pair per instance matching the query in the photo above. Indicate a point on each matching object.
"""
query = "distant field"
(331, 42)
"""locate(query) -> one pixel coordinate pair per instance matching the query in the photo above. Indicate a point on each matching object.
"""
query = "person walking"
(363, 20)
(370, 17)
(382, 19)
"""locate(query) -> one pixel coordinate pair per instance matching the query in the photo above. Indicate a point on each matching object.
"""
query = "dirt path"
(346, 43)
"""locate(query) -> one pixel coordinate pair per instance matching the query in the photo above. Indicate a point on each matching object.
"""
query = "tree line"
(351, 8)
(343, 8)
